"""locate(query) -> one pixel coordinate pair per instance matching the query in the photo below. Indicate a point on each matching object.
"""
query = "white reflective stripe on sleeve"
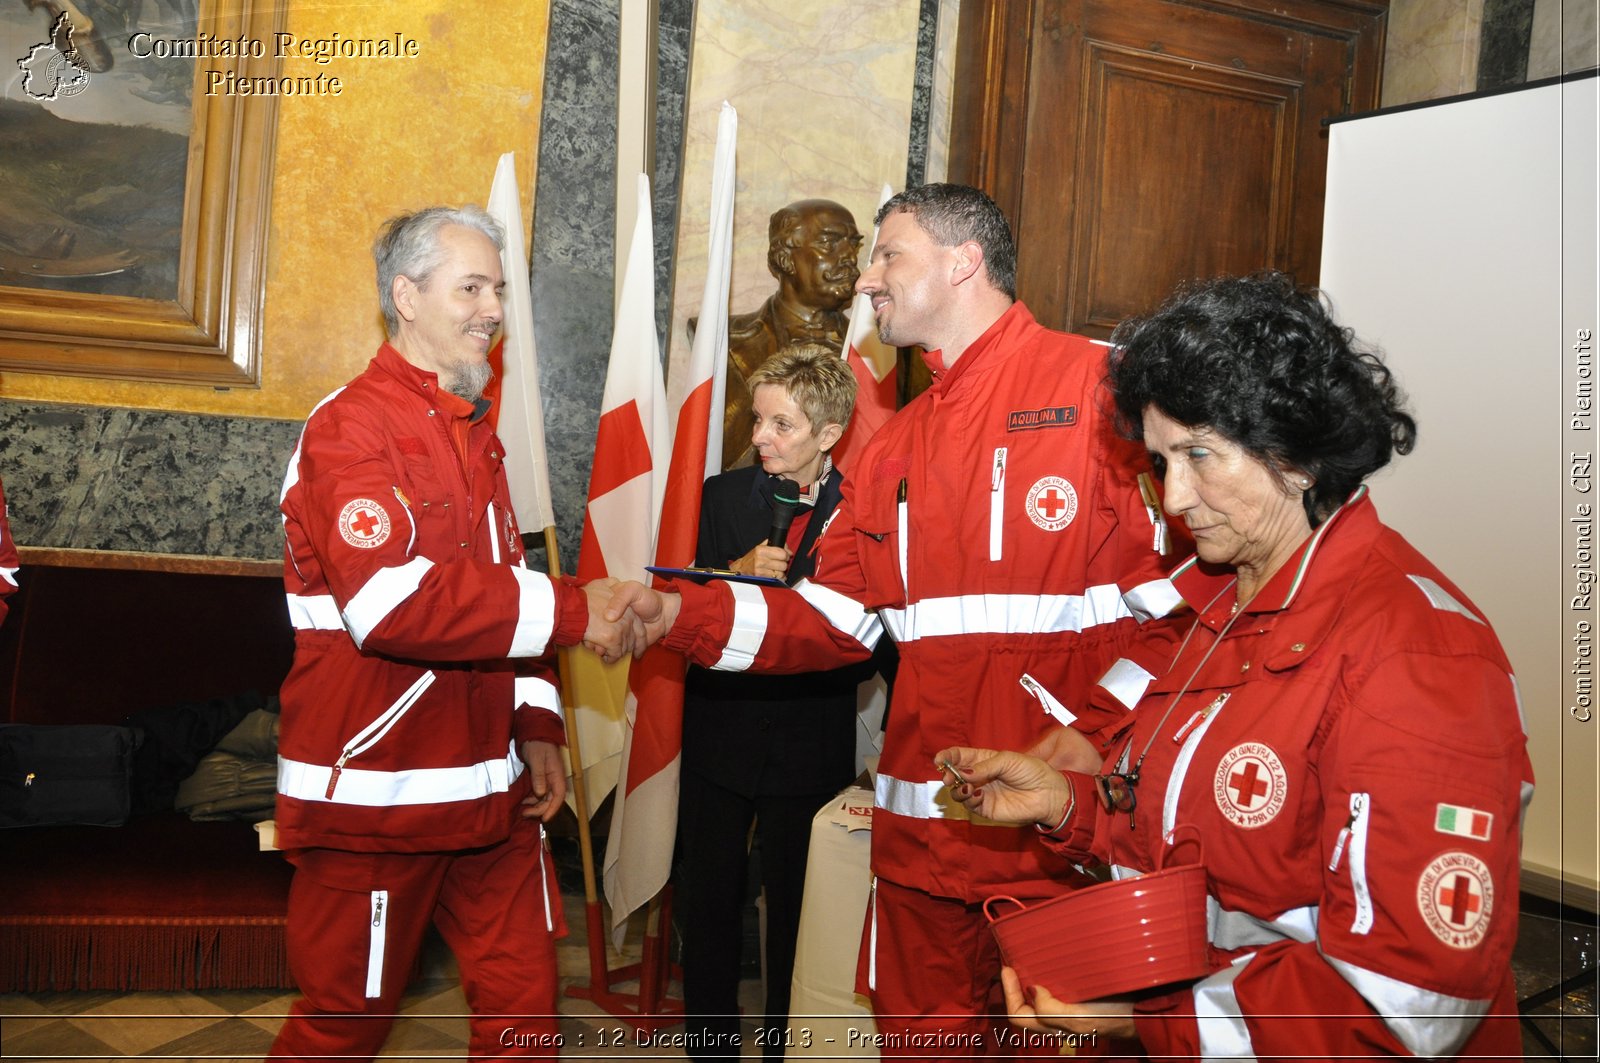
(749, 628)
(291, 475)
(413, 786)
(383, 591)
(9, 575)
(1126, 681)
(1442, 599)
(314, 612)
(536, 614)
(1010, 614)
(1239, 930)
(1152, 600)
(924, 800)
(1516, 697)
(540, 693)
(842, 613)
(380, 929)
(1429, 1024)
(894, 622)
(917, 800)
(1223, 1034)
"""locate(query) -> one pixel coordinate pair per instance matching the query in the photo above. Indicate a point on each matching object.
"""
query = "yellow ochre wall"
(402, 134)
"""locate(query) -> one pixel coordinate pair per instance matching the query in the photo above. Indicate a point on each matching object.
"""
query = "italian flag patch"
(1463, 822)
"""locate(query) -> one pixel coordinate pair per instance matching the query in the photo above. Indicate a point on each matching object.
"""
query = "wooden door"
(1138, 143)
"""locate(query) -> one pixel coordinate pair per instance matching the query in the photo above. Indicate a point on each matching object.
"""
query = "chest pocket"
(421, 490)
(882, 537)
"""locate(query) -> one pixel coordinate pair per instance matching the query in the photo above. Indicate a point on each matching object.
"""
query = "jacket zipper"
(544, 883)
(1196, 728)
(1352, 840)
(872, 946)
(369, 736)
(380, 927)
(1052, 707)
(997, 504)
(903, 523)
(405, 504)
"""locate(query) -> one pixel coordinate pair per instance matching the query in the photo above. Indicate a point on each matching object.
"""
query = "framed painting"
(137, 163)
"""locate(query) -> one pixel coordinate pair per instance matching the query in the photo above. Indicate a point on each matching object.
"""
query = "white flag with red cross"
(644, 819)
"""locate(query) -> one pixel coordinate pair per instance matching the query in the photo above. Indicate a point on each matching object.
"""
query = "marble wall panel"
(824, 99)
(141, 481)
(1566, 38)
(1432, 50)
(573, 247)
(674, 39)
(1503, 45)
(937, 167)
(922, 94)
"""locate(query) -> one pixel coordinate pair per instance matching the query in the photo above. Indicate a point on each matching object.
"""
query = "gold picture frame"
(204, 327)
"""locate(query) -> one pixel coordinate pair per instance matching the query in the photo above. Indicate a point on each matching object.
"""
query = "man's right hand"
(611, 637)
(654, 611)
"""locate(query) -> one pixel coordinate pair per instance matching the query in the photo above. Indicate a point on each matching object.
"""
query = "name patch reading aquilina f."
(1048, 417)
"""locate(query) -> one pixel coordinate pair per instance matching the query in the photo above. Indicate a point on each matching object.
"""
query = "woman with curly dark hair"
(1334, 719)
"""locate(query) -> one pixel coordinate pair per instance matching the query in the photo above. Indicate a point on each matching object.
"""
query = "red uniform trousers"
(918, 948)
(356, 921)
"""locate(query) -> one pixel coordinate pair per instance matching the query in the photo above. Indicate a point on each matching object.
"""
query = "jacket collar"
(1310, 590)
(390, 361)
(998, 341)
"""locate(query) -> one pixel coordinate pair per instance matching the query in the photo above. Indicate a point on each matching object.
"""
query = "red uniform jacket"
(987, 528)
(402, 716)
(1353, 757)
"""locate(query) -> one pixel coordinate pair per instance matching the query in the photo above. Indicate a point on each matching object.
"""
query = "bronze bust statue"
(812, 249)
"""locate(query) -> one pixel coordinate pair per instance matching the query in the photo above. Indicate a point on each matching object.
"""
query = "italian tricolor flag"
(1464, 822)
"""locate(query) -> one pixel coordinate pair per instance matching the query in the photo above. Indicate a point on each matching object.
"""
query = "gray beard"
(470, 380)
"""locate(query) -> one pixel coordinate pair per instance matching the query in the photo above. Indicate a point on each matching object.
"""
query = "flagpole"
(580, 795)
(594, 918)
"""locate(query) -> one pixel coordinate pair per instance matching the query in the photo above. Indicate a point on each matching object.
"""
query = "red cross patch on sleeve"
(364, 524)
(1455, 894)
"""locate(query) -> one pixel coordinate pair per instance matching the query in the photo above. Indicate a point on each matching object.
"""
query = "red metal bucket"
(1109, 939)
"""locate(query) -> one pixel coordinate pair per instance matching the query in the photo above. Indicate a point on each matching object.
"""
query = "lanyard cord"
(1172, 704)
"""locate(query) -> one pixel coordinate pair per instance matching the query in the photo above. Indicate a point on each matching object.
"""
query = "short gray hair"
(408, 246)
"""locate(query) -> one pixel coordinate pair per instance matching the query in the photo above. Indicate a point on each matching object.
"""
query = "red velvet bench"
(163, 902)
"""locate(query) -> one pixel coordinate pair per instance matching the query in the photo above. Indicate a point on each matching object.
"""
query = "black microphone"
(785, 503)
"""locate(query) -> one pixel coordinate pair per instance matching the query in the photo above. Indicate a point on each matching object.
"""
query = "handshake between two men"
(626, 617)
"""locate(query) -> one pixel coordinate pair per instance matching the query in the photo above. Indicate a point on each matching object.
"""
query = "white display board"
(1460, 238)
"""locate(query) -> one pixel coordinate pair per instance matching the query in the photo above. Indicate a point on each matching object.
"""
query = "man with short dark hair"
(422, 731)
(988, 527)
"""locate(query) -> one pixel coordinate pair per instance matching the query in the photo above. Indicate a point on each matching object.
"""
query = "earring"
(1305, 482)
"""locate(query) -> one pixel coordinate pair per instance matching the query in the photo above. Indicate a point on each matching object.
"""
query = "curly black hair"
(1262, 363)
